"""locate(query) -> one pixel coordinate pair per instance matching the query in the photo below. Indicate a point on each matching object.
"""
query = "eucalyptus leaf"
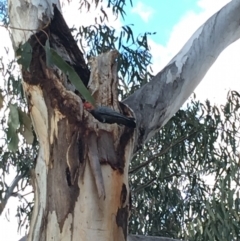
(10, 132)
(1, 100)
(26, 126)
(13, 119)
(13, 144)
(27, 134)
(48, 53)
(52, 57)
(24, 52)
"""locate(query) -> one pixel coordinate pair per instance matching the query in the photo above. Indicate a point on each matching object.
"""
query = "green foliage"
(18, 146)
(13, 124)
(192, 167)
(18, 122)
(25, 126)
(1, 100)
(24, 52)
(12, 102)
(116, 5)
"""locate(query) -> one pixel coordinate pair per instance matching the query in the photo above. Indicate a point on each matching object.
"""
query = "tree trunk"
(81, 175)
(79, 158)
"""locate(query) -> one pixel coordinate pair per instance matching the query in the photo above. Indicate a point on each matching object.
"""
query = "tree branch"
(162, 152)
(139, 188)
(9, 191)
(157, 101)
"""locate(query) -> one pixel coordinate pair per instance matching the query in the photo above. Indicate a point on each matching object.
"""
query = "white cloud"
(211, 6)
(223, 76)
(144, 11)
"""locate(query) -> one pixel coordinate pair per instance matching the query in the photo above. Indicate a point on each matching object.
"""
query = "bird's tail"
(129, 121)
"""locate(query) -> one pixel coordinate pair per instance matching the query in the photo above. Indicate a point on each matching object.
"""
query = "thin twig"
(139, 188)
(9, 191)
(133, 170)
(24, 29)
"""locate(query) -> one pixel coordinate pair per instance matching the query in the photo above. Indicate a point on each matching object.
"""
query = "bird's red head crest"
(88, 106)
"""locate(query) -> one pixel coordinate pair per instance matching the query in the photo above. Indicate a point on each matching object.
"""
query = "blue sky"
(158, 16)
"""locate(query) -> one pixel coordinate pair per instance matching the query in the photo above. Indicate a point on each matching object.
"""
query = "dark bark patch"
(59, 190)
(68, 177)
(124, 141)
(123, 213)
(72, 156)
(62, 38)
(126, 135)
(123, 196)
(80, 144)
(122, 220)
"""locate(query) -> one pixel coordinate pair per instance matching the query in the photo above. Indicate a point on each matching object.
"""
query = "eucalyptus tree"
(81, 175)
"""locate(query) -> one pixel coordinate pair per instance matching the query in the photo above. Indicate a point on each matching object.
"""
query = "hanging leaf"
(12, 138)
(13, 124)
(1, 100)
(52, 57)
(49, 61)
(13, 119)
(10, 132)
(13, 144)
(25, 53)
(26, 126)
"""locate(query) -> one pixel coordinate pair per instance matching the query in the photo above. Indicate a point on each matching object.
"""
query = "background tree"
(170, 177)
(193, 178)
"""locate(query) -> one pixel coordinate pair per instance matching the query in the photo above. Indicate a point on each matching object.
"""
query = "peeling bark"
(79, 158)
(64, 130)
(65, 190)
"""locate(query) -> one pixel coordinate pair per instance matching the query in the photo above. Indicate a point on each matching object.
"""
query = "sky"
(174, 21)
(159, 16)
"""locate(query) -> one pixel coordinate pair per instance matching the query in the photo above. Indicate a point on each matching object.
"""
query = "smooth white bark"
(27, 17)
